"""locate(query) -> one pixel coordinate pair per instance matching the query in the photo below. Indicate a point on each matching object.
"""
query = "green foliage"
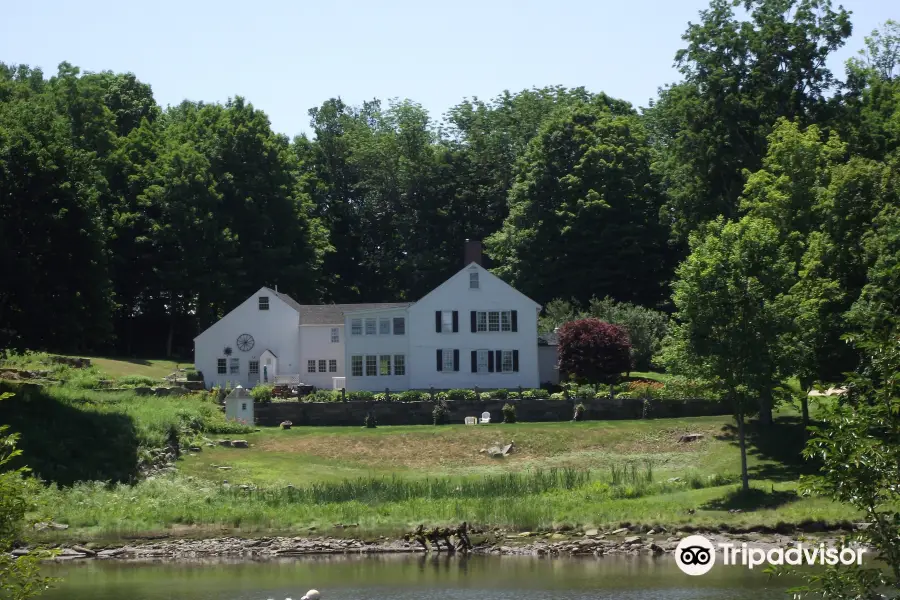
(323, 396)
(485, 396)
(500, 394)
(262, 393)
(369, 421)
(557, 396)
(509, 413)
(579, 412)
(137, 381)
(440, 413)
(462, 394)
(593, 351)
(382, 397)
(360, 396)
(413, 396)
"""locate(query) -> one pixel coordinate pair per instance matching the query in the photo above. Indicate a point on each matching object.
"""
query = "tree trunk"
(745, 479)
(804, 408)
(174, 317)
(765, 408)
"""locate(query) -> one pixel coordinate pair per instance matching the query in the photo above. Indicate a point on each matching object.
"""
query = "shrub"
(509, 413)
(540, 394)
(646, 328)
(501, 394)
(412, 396)
(136, 381)
(485, 396)
(382, 397)
(323, 396)
(441, 397)
(557, 396)
(360, 395)
(579, 412)
(440, 413)
(527, 394)
(681, 388)
(370, 421)
(593, 351)
(262, 393)
(461, 394)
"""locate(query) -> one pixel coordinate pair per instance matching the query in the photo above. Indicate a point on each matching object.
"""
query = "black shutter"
(490, 361)
(514, 317)
(474, 324)
(516, 361)
(456, 360)
(437, 321)
(440, 361)
(474, 361)
(498, 359)
(455, 321)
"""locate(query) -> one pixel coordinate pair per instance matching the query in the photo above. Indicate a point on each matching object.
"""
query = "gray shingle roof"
(333, 314)
(548, 339)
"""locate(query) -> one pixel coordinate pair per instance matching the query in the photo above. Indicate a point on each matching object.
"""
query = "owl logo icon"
(695, 555)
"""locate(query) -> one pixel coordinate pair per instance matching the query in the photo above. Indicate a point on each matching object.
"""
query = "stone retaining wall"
(531, 410)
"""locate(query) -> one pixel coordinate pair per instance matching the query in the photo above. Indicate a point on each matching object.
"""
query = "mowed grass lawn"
(123, 367)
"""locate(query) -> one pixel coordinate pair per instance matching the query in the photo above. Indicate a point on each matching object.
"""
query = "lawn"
(123, 367)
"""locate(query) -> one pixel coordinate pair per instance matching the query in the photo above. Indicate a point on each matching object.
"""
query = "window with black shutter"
(498, 360)
(515, 360)
(474, 323)
(440, 356)
(456, 360)
(515, 320)
(455, 321)
(437, 321)
(490, 356)
(474, 361)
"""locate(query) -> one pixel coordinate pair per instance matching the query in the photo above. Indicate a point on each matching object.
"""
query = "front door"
(269, 367)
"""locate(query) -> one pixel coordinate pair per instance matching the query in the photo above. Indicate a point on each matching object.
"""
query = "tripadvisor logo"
(696, 555)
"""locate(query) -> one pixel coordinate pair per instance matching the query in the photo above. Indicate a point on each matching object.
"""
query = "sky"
(286, 56)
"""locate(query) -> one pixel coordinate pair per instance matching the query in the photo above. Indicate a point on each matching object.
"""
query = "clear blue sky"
(288, 56)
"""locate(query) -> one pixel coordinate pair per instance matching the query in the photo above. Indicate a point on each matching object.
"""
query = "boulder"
(634, 539)
(620, 531)
(592, 532)
(161, 391)
(690, 437)
(226, 443)
(143, 391)
(239, 444)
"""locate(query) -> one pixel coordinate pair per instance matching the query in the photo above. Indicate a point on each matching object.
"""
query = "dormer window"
(473, 280)
(263, 303)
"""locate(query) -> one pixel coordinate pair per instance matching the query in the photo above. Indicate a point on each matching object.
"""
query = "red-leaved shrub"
(594, 351)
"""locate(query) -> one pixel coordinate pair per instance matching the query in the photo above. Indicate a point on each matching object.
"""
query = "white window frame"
(263, 303)
(384, 326)
(473, 280)
(323, 365)
(371, 361)
(371, 326)
(335, 335)
(399, 364)
(482, 361)
(332, 365)
(253, 367)
(222, 366)
(505, 320)
(446, 321)
(356, 365)
(481, 321)
(234, 366)
(402, 321)
(382, 371)
(493, 320)
(311, 365)
(447, 361)
(506, 359)
(356, 327)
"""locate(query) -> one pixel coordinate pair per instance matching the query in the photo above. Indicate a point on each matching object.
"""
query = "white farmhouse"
(472, 330)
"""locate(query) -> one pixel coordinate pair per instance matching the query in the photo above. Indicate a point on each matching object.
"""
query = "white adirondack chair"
(485, 417)
(471, 420)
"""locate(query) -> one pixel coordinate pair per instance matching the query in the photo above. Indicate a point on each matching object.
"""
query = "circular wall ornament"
(245, 342)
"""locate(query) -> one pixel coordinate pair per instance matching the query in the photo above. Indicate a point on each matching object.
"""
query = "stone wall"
(419, 413)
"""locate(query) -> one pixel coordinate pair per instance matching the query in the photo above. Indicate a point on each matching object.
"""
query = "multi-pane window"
(384, 327)
(482, 321)
(448, 360)
(399, 364)
(323, 365)
(253, 367)
(356, 366)
(370, 326)
(482, 361)
(355, 326)
(493, 321)
(263, 303)
(473, 280)
(507, 361)
(332, 365)
(310, 366)
(384, 364)
(505, 321)
(221, 366)
(234, 366)
(399, 326)
(446, 321)
(371, 365)
(335, 335)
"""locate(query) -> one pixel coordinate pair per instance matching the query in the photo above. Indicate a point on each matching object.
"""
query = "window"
(332, 365)
(263, 303)
(446, 321)
(323, 365)
(243, 406)
(220, 366)
(371, 365)
(482, 362)
(384, 326)
(310, 366)
(235, 366)
(507, 362)
(356, 369)
(473, 280)
(448, 360)
(370, 326)
(482, 321)
(384, 365)
(493, 321)
(399, 326)
(253, 367)
(399, 364)
(355, 326)
(335, 335)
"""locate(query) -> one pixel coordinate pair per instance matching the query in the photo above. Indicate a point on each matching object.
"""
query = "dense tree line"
(128, 227)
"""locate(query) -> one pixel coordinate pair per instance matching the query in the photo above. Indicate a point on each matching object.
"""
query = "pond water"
(410, 578)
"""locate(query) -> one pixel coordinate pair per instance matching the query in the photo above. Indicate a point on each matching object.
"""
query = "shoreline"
(593, 542)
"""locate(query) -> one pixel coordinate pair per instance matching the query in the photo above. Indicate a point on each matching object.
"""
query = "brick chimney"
(472, 252)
